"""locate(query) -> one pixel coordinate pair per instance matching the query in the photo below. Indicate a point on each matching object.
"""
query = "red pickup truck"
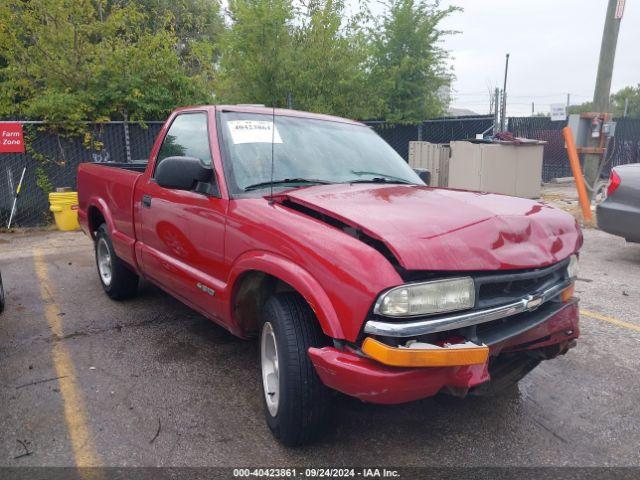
(311, 233)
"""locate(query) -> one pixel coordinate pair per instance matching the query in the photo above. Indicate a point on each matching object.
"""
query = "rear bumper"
(373, 382)
(619, 219)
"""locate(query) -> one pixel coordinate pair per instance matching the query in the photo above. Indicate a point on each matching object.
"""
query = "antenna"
(274, 54)
(273, 133)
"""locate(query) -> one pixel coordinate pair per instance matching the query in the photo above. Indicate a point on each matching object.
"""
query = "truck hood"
(439, 229)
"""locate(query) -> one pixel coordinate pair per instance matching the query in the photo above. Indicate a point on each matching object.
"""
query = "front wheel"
(117, 280)
(295, 400)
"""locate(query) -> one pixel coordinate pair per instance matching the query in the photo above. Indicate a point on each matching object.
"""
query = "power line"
(533, 95)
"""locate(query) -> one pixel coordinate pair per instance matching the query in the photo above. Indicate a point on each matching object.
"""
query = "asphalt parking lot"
(148, 382)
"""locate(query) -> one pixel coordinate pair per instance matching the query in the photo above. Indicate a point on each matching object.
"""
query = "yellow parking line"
(614, 321)
(75, 412)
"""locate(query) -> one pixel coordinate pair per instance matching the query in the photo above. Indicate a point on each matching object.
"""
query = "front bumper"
(371, 381)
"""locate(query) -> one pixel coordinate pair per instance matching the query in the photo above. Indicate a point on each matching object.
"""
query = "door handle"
(146, 201)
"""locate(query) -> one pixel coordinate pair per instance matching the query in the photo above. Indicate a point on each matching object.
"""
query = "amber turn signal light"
(567, 293)
(427, 357)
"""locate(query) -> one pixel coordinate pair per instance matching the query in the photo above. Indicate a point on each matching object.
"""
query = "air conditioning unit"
(433, 157)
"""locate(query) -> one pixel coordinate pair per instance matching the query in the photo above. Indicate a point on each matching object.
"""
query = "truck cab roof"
(261, 109)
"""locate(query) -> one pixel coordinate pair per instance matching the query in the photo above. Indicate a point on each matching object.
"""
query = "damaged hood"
(439, 229)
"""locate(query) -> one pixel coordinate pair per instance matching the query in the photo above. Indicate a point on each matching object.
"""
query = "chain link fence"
(52, 160)
(554, 163)
(441, 130)
(623, 148)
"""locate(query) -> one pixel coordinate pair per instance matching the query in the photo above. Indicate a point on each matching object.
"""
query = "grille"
(496, 290)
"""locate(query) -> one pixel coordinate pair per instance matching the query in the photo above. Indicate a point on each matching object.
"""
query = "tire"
(117, 279)
(296, 402)
(600, 193)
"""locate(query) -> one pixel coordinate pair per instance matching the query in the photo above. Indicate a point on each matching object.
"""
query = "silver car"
(619, 213)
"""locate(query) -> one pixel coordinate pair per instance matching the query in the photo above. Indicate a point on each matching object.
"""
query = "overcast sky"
(554, 47)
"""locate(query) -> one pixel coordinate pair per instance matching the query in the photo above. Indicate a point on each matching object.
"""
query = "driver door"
(183, 231)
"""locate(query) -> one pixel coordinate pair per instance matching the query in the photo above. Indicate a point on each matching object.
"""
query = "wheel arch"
(257, 275)
(97, 214)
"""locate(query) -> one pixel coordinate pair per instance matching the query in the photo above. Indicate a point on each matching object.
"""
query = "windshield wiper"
(284, 181)
(379, 178)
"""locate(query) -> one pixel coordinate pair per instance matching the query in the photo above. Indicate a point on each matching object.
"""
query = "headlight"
(427, 298)
(572, 269)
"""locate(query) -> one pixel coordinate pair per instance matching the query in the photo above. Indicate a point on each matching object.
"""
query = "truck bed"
(112, 186)
(135, 166)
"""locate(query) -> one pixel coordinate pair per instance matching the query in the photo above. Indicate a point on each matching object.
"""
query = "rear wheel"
(117, 280)
(295, 400)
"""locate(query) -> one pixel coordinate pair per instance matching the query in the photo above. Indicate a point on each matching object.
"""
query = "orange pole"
(574, 161)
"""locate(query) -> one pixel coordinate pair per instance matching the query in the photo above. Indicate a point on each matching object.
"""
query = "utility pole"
(503, 113)
(568, 101)
(626, 107)
(603, 85)
(532, 108)
(496, 115)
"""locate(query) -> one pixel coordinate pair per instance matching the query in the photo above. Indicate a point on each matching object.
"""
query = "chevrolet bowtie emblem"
(534, 303)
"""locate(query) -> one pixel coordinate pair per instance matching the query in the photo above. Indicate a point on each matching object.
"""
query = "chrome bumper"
(422, 327)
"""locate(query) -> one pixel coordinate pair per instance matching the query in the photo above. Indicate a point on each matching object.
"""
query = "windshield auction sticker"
(253, 131)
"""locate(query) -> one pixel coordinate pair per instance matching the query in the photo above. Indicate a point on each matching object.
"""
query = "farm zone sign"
(11, 139)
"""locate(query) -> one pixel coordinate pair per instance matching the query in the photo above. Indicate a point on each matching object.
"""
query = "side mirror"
(183, 173)
(425, 175)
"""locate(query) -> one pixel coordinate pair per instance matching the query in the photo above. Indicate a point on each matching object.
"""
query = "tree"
(197, 24)
(256, 56)
(630, 94)
(313, 55)
(409, 66)
(581, 108)
(74, 60)
(68, 60)
(330, 61)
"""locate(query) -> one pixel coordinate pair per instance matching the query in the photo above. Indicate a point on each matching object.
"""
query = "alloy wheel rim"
(269, 366)
(104, 262)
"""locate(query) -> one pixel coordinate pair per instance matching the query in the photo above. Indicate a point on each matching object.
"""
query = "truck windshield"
(305, 152)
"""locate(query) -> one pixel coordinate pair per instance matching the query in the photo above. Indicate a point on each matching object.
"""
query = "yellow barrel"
(64, 206)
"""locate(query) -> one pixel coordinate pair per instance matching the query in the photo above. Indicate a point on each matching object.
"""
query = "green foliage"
(328, 62)
(256, 52)
(68, 61)
(42, 181)
(631, 94)
(197, 25)
(409, 64)
(582, 108)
